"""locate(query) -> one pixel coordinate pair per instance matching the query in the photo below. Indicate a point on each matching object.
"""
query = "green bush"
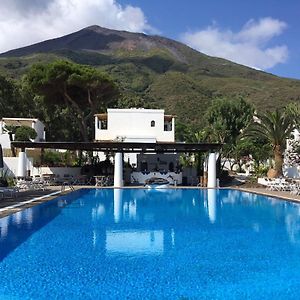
(25, 133)
(52, 158)
(261, 171)
(252, 180)
(57, 159)
(5, 179)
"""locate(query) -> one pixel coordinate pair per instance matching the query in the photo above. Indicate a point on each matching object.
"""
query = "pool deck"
(26, 199)
(277, 194)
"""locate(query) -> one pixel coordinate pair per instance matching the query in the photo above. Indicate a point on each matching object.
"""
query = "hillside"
(162, 72)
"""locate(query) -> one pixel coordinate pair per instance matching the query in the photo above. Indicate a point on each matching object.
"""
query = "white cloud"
(20, 27)
(249, 46)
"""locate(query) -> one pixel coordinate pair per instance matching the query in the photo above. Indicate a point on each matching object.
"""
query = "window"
(168, 126)
(103, 124)
(152, 123)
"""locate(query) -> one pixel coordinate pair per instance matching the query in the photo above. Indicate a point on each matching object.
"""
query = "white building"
(36, 124)
(12, 163)
(138, 126)
(143, 126)
(135, 125)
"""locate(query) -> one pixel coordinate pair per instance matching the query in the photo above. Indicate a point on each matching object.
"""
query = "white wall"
(11, 163)
(4, 141)
(58, 171)
(135, 124)
(39, 127)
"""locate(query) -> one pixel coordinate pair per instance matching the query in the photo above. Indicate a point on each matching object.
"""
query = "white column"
(118, 172)
(22, 164)
(173, 129)
(211, 171)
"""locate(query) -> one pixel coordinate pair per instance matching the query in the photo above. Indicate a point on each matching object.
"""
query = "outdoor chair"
(295, 188)
(89, 180)
(35, 184)
(38, 184)
(8, 192)
(48, 179)
(79, 180)
(278, 184)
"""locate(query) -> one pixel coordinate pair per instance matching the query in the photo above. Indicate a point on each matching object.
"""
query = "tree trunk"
(84, 130)
(12, 148)
(278, 156)
(81, 119)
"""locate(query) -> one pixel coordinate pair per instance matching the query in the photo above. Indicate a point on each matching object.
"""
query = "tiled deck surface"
(26, 196)
(278, 194)
(23, 197)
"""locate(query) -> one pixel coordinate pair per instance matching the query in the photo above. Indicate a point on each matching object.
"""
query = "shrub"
(59, 159)
(25, 133)
(261, 171)
(52, 158)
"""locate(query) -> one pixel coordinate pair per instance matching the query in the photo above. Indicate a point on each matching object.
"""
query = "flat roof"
(125, 147)
(19, 119)
(133, 110)
(103, 117)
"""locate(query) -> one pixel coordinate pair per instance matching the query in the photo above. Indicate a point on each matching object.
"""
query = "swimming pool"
(147, 244)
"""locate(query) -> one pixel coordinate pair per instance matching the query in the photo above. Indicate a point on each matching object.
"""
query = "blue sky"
(263, 34)
(172, 18)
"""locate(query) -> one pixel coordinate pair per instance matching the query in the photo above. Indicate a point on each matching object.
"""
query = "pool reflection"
(137, 222)
(212, 205)
(146, 242)
(136, 218)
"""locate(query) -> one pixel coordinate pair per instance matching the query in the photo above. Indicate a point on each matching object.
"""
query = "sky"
(263, 34)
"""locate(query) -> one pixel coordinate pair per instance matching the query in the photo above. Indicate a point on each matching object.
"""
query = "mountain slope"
(162, 72)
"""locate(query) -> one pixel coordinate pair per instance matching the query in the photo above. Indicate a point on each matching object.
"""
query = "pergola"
(125, 147)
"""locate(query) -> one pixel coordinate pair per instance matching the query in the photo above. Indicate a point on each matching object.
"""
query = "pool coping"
(9, 210)
(273, 194)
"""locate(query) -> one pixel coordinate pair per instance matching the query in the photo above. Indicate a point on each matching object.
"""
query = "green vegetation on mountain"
(151, 71)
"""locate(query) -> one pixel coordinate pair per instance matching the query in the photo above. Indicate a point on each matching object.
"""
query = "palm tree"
(275, 127)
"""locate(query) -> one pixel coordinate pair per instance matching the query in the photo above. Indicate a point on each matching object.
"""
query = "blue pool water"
(145, 244)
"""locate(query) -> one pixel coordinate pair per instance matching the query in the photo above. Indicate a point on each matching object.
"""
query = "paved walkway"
(278, 194)
(27, 199)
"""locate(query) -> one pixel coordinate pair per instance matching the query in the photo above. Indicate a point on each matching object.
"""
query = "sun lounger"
(35, 184)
